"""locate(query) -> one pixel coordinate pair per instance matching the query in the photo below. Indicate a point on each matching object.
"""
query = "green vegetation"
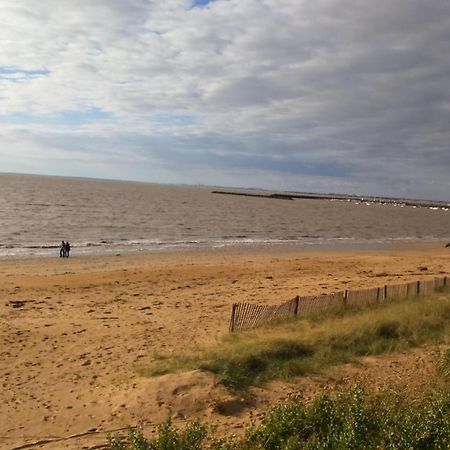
(444, 365)
(350, 420)
(354, 420)
(310, 345)
(168, 438)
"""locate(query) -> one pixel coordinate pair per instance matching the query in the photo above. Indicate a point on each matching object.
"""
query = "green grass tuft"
(242, 370)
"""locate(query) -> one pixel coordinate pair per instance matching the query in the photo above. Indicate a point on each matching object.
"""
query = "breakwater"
(343, 197)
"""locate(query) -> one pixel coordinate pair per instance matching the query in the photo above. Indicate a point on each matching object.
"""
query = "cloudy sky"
(323, 96)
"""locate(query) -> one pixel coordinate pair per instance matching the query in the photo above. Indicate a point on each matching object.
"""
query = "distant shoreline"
(353, 198)
(233, 190)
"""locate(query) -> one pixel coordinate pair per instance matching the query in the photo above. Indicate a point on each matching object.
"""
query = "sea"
(104, 216)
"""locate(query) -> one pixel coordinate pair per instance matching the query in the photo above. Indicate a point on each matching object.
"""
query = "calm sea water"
(37, 212)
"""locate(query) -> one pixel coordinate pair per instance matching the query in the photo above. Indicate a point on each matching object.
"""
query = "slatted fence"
(316, 303)
(427, 287)
(412, 288)
(245, 316)
(365, 296)
(396, 291)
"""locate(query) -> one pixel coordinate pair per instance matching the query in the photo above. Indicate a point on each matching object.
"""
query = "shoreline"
(332, 245)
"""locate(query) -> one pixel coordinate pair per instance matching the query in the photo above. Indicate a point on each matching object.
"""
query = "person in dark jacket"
(67, 252)
(62, 249)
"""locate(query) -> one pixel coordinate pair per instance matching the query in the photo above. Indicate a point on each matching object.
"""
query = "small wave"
(105, 246)
(37, 204)
(45, 205)
(41, 246)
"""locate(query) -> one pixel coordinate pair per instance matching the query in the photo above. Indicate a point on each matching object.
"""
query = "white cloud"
(324, 95)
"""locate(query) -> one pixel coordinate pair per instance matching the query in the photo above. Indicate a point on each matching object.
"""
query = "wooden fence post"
(378, 295)
(418, 287)
(385, 292)
(233, 314)
(297, 299)
(345, 298)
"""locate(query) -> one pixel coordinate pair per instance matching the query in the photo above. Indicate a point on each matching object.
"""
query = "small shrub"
(135, 440)
(406, 424)
(355, 420)
(237, 372)
(168, 438)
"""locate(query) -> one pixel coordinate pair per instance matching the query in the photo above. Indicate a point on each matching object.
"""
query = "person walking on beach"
(62, 249)
(67, 249)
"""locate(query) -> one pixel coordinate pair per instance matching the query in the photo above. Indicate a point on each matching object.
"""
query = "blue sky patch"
(77, 118)
(66, 118)
(13, 73)
(201, 3)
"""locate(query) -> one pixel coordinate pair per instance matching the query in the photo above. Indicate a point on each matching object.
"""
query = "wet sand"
(73, 331)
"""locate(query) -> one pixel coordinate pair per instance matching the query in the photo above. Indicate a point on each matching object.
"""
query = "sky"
(329, 96)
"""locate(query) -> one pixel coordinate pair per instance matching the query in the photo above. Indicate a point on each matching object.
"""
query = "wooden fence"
(313, 303)
(245, 316)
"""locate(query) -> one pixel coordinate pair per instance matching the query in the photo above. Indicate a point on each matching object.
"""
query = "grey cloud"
(326, 89)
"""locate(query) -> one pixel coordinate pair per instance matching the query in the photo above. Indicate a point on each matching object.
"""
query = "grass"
(352, 419)
(443, 365)
(307, 346)
(349, 420)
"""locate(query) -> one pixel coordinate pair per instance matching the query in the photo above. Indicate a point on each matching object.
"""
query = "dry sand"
(69, 352)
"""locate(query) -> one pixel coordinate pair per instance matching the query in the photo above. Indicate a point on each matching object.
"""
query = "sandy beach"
(74, 331)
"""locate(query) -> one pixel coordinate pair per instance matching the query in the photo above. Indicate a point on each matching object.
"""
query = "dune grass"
(306, 346)
(350, 420)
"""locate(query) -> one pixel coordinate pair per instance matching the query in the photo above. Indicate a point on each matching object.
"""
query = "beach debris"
(423, 268)
(447, 245)
(17, 303)
(79, 331)
(143, 308)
